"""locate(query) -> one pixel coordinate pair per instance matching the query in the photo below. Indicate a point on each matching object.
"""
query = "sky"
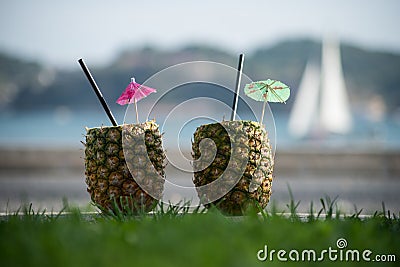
(60, 32)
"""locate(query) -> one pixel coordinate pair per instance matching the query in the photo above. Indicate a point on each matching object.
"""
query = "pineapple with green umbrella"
(243, 154)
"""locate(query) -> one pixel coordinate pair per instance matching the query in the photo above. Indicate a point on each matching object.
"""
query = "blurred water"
(51, 128)
(45, 190)
(64, 127)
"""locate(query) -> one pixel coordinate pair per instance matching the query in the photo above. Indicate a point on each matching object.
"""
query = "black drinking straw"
(98, 92)
(238, 80)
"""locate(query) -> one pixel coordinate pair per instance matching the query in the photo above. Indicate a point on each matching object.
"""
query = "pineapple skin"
(120, 158)
(243, 157)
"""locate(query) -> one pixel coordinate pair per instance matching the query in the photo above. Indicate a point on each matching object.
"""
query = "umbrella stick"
(238, 80)
(137, 114)
(97, 91)
(263, 110)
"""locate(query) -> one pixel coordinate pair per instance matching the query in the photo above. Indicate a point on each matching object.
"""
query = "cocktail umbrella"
(133, 93)
(269, 90)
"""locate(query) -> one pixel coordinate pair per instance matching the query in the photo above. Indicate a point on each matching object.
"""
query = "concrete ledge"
(370, 163)
(31, 159)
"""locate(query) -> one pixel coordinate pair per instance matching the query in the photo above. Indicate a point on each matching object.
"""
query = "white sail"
(322, 101)
(305, 107)
(335, 114)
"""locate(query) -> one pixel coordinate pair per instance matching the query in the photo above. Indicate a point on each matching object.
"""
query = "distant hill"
(28, 85)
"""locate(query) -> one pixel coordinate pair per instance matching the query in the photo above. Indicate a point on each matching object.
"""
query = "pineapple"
(233, 166)
(118, 159)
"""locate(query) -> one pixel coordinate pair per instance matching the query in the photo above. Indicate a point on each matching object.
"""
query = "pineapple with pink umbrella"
(124, 164)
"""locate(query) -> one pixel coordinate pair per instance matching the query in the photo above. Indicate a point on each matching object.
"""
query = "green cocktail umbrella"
(267, 91)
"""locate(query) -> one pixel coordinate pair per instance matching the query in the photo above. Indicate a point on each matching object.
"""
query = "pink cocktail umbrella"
(133, 93)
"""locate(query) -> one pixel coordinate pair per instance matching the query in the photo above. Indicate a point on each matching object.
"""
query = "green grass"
(175, 236)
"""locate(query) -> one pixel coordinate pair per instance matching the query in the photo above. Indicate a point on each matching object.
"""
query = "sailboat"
(321, 103)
